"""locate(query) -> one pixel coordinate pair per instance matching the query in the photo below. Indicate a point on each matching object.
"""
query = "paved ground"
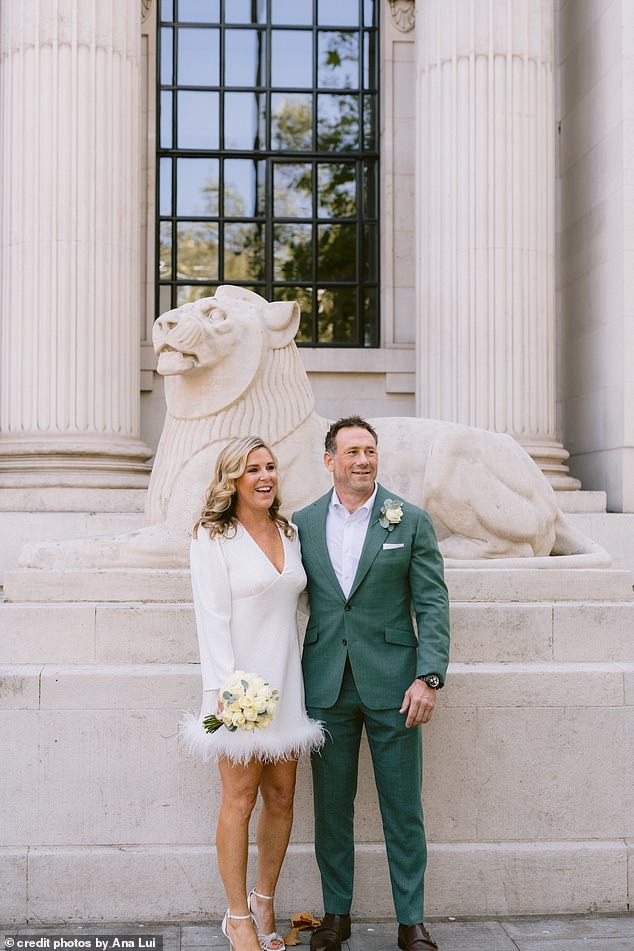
(577, 933)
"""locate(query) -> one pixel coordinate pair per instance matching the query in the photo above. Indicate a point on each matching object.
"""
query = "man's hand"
(419, 702)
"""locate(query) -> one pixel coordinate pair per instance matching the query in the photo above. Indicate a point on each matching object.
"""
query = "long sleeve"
(430, 600)
(212, 606)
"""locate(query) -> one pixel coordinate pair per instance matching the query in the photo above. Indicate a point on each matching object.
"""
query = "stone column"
(69, 245)
(486, 220)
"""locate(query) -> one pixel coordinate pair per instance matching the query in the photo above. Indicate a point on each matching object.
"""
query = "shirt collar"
(335, 502)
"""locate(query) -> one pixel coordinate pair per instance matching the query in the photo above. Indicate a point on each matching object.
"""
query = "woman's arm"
(212, 606)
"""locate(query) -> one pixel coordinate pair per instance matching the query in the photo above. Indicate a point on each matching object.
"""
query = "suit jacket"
(399, 571)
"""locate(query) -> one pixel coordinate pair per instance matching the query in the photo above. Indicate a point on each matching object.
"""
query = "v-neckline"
(264, 554)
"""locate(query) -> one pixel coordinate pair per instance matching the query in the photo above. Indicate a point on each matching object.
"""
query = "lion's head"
(209, 351)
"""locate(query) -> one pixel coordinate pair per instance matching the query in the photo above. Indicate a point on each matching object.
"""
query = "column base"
(72, 462)
(551, 459)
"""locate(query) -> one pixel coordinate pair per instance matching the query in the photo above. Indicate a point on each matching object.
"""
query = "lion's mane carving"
(231, 368)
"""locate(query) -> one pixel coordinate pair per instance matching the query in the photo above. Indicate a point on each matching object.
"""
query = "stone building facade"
(506, 302)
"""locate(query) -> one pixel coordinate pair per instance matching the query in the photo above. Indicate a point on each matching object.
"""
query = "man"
(370, 558)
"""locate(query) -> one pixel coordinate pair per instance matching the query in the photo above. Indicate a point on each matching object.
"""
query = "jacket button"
(344, 642)
(347, 607)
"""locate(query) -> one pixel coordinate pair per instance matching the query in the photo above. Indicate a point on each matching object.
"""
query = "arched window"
(268, 158)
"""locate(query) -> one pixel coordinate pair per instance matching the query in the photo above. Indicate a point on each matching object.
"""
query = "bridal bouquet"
(249, 703)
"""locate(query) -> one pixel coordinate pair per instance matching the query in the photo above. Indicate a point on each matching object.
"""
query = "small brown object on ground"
(300, 922)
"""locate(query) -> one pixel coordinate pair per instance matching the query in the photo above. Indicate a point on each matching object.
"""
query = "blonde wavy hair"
(218, 514)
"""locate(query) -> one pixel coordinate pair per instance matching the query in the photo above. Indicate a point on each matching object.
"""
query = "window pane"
(198, 57)
(292, 12)
(244, 188)
(165, 298)
(369, 60)
(292, 190)
(198, 120)
(304, 297)
(292, 252)
(165, 186)
(244, 252)
(370, 190)
(370, 12)
(245, 58)
(167, 57)
(337, 190)
(292, 121)
(338, 12)
(291, 58)
(336, 314)
(197, 184)
(244, 121)
(241, 11)
(197, 250)
(370, 253)
(167, 9)
(165, 250)
(338, 59)
(166, 120)
(185, 294)
(199, 11)
(337, 122)
(369, 122)
(371, 318)
(337, 253)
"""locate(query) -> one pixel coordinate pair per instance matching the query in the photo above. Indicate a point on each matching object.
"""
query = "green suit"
(361, 653)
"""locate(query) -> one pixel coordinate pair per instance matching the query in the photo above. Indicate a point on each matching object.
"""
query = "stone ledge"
(465, 584)
(582, 501)
(13, 885)
(165, 633)
(177, 686)
(166, 884)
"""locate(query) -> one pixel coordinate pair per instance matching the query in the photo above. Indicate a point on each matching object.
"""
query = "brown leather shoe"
(415, 938)
(332, 931)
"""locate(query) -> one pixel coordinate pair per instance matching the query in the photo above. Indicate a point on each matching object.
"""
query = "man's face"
(354, 463)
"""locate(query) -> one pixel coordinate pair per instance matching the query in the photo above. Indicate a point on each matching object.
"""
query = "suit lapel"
(373, 541)
(317, 537)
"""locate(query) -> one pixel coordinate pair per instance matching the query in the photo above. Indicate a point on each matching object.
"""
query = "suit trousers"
(397, 762)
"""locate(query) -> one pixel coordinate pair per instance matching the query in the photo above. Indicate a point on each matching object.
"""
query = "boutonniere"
(391, 513)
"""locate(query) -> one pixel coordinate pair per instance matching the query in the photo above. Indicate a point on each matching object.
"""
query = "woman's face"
(256, 489)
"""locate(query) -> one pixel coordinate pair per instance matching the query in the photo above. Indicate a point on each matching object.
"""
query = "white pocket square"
(387, 545)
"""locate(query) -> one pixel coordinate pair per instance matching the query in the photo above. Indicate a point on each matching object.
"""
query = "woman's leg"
(277, 788)
(239, 793)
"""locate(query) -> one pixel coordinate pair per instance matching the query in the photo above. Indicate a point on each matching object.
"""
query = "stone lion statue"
(231, 368)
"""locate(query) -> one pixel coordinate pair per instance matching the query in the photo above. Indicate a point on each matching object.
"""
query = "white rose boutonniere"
(391, 513)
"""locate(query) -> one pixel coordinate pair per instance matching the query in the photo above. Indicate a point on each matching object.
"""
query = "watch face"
(433, 681)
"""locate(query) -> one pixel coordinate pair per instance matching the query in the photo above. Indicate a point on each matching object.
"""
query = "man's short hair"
(346, 423)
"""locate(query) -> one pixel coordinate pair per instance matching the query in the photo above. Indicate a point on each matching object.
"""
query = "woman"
(246, 579)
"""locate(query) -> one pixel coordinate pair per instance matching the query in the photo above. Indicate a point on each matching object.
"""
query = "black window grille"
(268, 158)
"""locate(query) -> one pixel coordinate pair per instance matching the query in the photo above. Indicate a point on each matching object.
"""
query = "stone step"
(582, 500)
(177, 686)
(465, 584)
(529, 771)
(18, 527)
(158, 884)
(165, 633)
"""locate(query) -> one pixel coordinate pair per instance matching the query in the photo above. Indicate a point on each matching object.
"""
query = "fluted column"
(69, 232)
(486, 226)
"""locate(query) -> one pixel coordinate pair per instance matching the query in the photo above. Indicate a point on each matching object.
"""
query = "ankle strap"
(237, 917)
(260, 895)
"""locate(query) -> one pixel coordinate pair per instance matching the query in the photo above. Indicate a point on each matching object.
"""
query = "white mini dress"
(246, 617)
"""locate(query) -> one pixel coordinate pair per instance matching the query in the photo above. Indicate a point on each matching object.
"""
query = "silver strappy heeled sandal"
(228, 917)
(268, 942)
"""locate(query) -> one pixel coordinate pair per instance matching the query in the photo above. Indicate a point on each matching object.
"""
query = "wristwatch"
(432, 680)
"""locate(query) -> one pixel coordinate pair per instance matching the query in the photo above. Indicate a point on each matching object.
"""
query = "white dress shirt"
(345, 535)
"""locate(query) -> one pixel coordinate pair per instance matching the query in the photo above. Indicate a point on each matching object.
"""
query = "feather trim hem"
(240, 747)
